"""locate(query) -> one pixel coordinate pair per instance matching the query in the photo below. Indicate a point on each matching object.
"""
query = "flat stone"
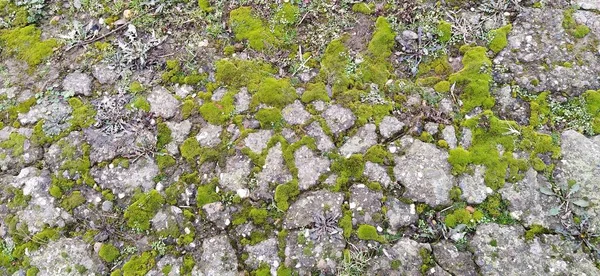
(310, 167)
(295, 114)
(274, 172)
(257, 141)
(365, 138)
(323, 141)
(179, 132)
(78, 83)
(163, 103)
(237, 169)
(377, 173)
(310, 204)
(400, 214)
(473, 187)
(104, 73)
(454, 261)
(209, 135)
(365, 204)
(339, 118)
(218, 258)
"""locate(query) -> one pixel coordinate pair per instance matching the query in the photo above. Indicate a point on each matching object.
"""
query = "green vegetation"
(83, 114)
(140, 212)
(364, 8)
(73, 200)
(108, 252)
(499, 41)
(275, 92)
(475, 78)
(369, 232)
(286, 192)
(25, 44)
(462, 216)
(270, 118)
(163, 136)
(15, 143)
(206, 194)
(534, 231)
(314, 92)
(247, 26)
(445, 29)
(571, 26)
(141, 103)
(139, 265)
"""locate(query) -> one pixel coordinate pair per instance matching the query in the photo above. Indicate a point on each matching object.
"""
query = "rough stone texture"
(377, 173)
(167, 218)
(323, 141)
(425, 172)
(13, 162)
(510, 108)
(55, 115)
(168, 260)
(389, 126)
(310, 167)
(104, 74)
(449, 135)
(365, 205)
(218, 214)
(237, 169)
(467, 138)
(361, 141)
(512, 255)
(274, 172)
(407, 252)
(581, 162)
(54, 156)
(454, 261)
(303, 257)
(295, 114)
(528, 204)
(106, 147)
(218, 258)
(179, 132)
(162, 103)
(78, 83)
(339, 118)
(125, 181)
(473, 187)
(242, 100)
(257, 141)
(538, 38)
(310, 204)
(263, 252)
(209, 135)
(61, 257)
(400, 214)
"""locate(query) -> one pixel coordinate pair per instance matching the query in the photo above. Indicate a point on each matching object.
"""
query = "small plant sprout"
(565, 193)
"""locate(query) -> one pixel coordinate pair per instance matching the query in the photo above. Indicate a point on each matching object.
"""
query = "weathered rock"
(377, 173)
(64, 256)
(242, 100)
(407, 252)
(218, 258)
(389, 126)
(105, 147)
(365, 205)
(303, 254)
(78, 83)
(179, 132)
(104, 73)
(588, 4)
(65, 150)
(449, 135)
(310, 167)
(323, 141)
(361, 141)
(125, 181)
(263, 252)
(310, 204)
(502, 250)
(173, 262)
(162, 103)
(510, 108)
(167, 220)
(339, 118)
(425, 172)
(209, 135)
(18, 152)
(400, 214)
(237, 169)
(295, 114)
(454, 261)
(257, 141)
(274, 172)
(473, 187)
(218, 214)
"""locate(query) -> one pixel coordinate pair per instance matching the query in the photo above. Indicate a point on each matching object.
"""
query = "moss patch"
(25, 44)
(108, 252)
(500, 40)
(140, 212)
(475, 79)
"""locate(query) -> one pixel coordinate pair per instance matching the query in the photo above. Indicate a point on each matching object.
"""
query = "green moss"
(475, 79)
(108, 252)
(190, 149)
(346, 223)
(445, 31)
(376, 67)
(55, 191)
(32, 271)
(164, 135)
(164, 161)
(540, 110)
(140, 212)
(204, 6)
(18, 198)
(139, 265)
(369, 233)
(73, 200)
(206, 194)
(25, 43)
(314, 92)
(581, 31)
(259, 216)
(592, 102)
(238, 73)
(364, 8)
(333, 66)
(499, 42)
(136, 87)
(282, 270)
(270, 118)
(571, 26)
(246, 26)
(262, 270)
(535, 230)
(379, 154)
(395, 264)
(427, 261)
(15, 143)
(83, 114)
(286, 192)
(188, 108)
(275, 92)
(460, 216)
(455, 193)
(442, 87)
(141, 103)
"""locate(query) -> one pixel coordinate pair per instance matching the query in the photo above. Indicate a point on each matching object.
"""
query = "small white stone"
(489, 190)
(193, 244)
(352, 205)
(413, 210)
(121, 195)
(217, 189)
(159, 186)
(97, 199)
(111, 166)
(298, 265)
(243, 193)
(227, 222)
(187, 231)
(379, 229)
(359, 209)
(360, 185)
(392, 149)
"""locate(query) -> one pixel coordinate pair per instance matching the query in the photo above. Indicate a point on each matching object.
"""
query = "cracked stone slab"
(365, 138)
(63, 256)
(406, 251)
(454, 261)
(257, 141)
(139, 175)
(163, 103)
(263, 252)
(400, 214)
(274, 171)
(237, 170)
(389, 126)
(78, 83)
(104, 73)
(218, 258)
(365, 205)
(310, 167)
(304, 255)
(377, 173)
(310, 204)
(473, 187)
(339, 118)
(179, 132)
(323, 141)
(295, 114)
(209, 135)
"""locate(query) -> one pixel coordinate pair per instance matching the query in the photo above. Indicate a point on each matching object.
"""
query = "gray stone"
(400, 214)
(365, 204)
(237, 169)
(107, 206)
(407, 252)
(78, 83)
(218, 94)
(502, 250)
(310, 167)
(218, 214)
(473, 187)
(303, 255)
(173, 262)
(163, 103)
(323, 141)
(361, 141)
(432, 128)
(11, 161)
(339, 118)
(454, 261)
(377, 173)
(62, 256)
(183, 91)
(425, 172)
(510, 108)
(449, 135)
(179, 132)
(389, 126)
(218, 258)
(588, 4)
(263, 252)
(257, 141)
(581, 163)
(310, 204)
(528, 204)
(242, 100)
(466, 138)
(104, 73)
(274, 172)
(295, 114)
(55, 157)
(139, 175)
(209, 135)
(107, 147)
